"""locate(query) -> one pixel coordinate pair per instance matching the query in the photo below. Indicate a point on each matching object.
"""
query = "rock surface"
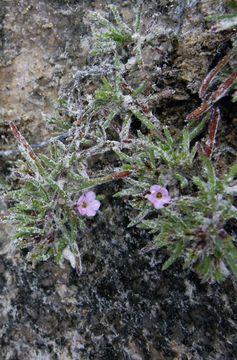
(123, 306)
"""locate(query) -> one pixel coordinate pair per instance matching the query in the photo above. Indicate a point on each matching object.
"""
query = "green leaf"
(176, 254)
(204, 267)
(175, 218)
(127, 192)
(190, 258)
(124, 133)
(109, 118)
(101, 20)
(47, 161)
(152, 159)
(138, 22)
(149, 225)
(28, 231)
(185, 142)
(55, 186)
(232, 173)
(218, 275)
(231, 263)
(145, 120)
(193, 154)
(121, 24)
(168, 137)
(194, 132)
(139, 90)
(127, 167)
(140, 216)
(88, 183)
(159, 242)
(72, 175)
(183, 181)
(230, 255)
(202, 187)
(210, 172)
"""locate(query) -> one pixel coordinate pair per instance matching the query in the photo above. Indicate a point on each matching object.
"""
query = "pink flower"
(87, 204)
(159, 196)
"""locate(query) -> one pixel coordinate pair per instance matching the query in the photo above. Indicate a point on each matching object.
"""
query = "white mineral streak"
(68, 255)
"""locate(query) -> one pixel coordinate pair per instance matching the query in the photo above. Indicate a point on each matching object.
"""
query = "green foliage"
(112, 37)
(60, 122)
(43, 206)
(193, 227)
(113, 97)
(45, 223)
(226, 21)
(159, 160)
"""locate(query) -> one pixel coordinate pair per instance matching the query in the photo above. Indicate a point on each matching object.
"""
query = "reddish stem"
(199, 111)
(120, 175)
(223, 88)
(211, 75)
(215, 118)
(216, 96)
(22, 141)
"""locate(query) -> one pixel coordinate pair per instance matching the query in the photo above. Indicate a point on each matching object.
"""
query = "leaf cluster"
(164, 160)
(43, 210)
(193, 227)
(113, 36)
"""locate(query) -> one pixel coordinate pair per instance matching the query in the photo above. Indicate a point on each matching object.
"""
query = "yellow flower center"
(159, 195)
(84, 205)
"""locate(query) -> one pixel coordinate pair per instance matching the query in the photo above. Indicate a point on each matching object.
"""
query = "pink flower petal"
(155, 189)
(81, 200)
(158, 205)
(90, 196)
(95, 205)
(91, 212)
(165, 193)
(82, 210)
(152, 197)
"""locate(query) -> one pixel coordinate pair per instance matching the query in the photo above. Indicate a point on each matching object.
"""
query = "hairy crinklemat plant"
(46, 205)
(185, 213)
(164, 160)
(115, 36)
(192, 227)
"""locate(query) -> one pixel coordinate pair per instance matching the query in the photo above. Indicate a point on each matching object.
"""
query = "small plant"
(45, 212)
(119, 99)
(113, 37)
(184, 212)
(162, 160)
(193, 227)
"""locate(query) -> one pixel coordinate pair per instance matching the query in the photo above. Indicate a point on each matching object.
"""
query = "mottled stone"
(123, 307)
